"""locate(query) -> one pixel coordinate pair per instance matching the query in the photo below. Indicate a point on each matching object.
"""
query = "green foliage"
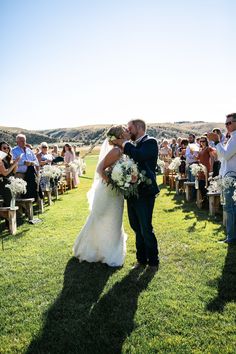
(50, 303)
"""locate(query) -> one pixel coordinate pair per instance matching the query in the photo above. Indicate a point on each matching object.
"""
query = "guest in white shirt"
(227, 155)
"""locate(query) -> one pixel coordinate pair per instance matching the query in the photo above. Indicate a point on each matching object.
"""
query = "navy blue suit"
(140, 209)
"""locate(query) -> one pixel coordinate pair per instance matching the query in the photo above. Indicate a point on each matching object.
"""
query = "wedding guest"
(173, 147)
(7, 169)
(55, 151)
(28, 166)
(205, 156)
(227, 155)
(44, 157)
(182, 156)
(165, 154)
(69, 156)
(191, 156)
(216, 162)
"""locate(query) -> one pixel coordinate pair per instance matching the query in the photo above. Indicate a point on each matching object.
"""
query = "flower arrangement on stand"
(48, 177)
(161, 165)
(17, 186)
(218, 184)
(195, 170)
(175, 164)
(125, 177)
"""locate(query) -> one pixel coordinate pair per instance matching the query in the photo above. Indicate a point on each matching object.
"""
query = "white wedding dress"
(102, 238)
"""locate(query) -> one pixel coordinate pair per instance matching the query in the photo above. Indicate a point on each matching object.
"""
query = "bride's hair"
(115, 132)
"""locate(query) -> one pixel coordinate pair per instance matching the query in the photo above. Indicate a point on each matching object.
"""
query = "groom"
(143, 150)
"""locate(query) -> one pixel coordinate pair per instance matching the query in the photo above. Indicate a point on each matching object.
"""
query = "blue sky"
(67, 63)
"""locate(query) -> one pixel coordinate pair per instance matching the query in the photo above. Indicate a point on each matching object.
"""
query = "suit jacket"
(145, 154)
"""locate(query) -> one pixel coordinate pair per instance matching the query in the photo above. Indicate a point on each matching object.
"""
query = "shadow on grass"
(226, 284)
(82, 320)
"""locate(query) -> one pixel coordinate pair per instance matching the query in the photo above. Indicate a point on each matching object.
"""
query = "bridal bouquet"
(174, 165)
(125, 177)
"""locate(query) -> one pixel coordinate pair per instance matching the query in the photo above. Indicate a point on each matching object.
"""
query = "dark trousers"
(5, 192)
(140, 217)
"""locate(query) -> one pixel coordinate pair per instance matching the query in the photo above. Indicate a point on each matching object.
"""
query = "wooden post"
(214, 203)
(10, 215)
(188, 187)
(199, 199)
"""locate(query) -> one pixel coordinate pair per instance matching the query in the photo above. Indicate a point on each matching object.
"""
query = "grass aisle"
(52, 304)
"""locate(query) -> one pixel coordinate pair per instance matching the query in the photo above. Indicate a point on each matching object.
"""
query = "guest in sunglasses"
(227, 155)
(7, 169)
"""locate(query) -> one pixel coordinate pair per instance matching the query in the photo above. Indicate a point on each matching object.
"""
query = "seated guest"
(7, 169)
(44, 157)
(69, 156)
(28, 166)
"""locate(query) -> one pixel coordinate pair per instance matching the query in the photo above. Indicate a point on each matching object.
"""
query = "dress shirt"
(227, 155)
(27, 155)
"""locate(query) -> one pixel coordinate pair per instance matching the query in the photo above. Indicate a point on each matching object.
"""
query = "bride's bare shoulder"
(113, 155)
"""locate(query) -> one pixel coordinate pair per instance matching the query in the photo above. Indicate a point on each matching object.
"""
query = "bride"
(102, 238)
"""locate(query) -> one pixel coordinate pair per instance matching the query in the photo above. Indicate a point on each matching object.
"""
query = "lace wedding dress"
(102, 238)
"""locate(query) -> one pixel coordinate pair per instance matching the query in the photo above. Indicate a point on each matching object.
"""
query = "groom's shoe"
(139, 266)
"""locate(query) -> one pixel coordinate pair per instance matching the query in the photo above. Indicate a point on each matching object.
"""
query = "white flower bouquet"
(197, 168)
(218, 185)
(161, 165)
(16, 186)
(174, 165)
(125, 177)
(78, 165)
(51, 171)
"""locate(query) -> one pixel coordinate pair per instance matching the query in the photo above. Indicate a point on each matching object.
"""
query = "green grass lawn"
(52, 304)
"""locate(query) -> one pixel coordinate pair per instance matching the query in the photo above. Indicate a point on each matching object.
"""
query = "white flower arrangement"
(78, 165)
(125, 177)
(161, 164)
(16, 186)
(174, 165)
(51, 171)
(218, 185)
(197, 168)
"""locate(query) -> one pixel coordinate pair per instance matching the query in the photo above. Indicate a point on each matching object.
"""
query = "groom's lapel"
(140, 142)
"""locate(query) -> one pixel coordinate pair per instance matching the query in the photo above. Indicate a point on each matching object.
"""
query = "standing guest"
(227, 155)
(27, 159)
(191, 156)
(7, 169)
(69, 156)
(165, 154)
(55, 151)
(44, 157)
(216, 161)
(173, 147)
(28, 166)
(205, 156)
(181, 153)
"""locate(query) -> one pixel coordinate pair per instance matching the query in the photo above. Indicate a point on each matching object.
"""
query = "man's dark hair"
(139, 123)
(191, 134)
(232, 115)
